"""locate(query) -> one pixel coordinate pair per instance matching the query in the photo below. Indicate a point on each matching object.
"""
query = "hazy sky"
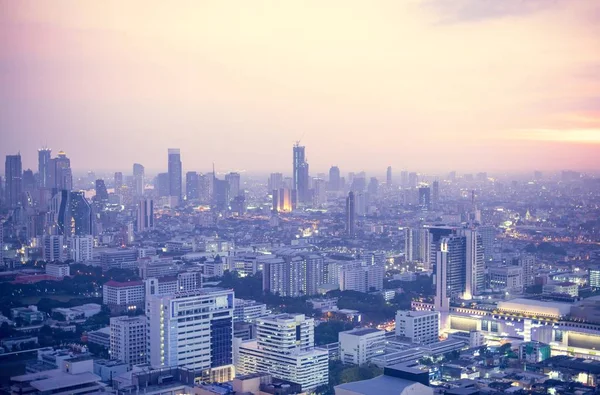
(425, 85)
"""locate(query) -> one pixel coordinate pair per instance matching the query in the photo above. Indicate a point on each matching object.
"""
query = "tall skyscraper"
(275, 181)
(373, 186)
(404, 179)
(220, 194)
(300, 173)
(101, 191)
(63, 176)
(388, 177)
(435, 195)
(175, 173)
(425, 198)
(118, 182)
(412, 180)
(28, 182)
(412, 244)
(334, 178)
(192, 329)
(13, 172)
(191, 185)
(350, 213)
(233, 179)
(44, 156)
(162, 184)
(81, 214)
(138, 179)
(145, 215)
(460, 268)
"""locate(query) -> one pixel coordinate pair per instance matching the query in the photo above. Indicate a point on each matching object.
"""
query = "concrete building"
(402, 379)
(53, 248)
(561, 288)
(421, 327)
(509, 278)
(285, 349)
(82, 248)
(357, 277)
(58, 270)
(192, 329)
(128, 339)
(248, 310)
(359, 346)
(123, 296)
(534, 352)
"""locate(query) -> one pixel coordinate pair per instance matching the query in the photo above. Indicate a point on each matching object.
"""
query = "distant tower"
(118, 182)
(233, 179)
(101, 191)
(300, 173)
(145, 215)
(13, 172)
(81, 214)
(175, 173)
(350, 213)
(388, 178)
(44, 167)
(334, 178)
(62, 172)
(191, 185)
(435, 195)
(138, 179)
(425, 198)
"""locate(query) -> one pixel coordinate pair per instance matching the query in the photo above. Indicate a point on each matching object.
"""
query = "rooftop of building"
(384, 385)
(363, 331)
(123, 284)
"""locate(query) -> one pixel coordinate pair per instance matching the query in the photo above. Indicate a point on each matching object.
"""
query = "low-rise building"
(123, 296)
(58, 270)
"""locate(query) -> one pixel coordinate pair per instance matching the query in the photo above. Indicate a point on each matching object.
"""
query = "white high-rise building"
(475, 271)
(422, 327)
(128, 339)
(527, 262)
(123, 296)
(53, 248)
(359, 346)
(285, 348)
(192, 329)
(82, 248)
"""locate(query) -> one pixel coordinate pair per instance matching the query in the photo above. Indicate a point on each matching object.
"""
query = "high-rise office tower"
(63, 177)
(275, 181)
(488, 238)
(293, 274)
(145, 215)
(404, 179)
(220, 194)
(460, 268)
(320, 192)
(233, 179)
(475, 276)
(204, 188)
(81, 215)
(425, 198)
(44, 156)
(388, 177)
(435, 195)
(175, 173)
(299, 159)
(334, 178)
(59, 213)
(28, 183)
(284, 347)
(300, 174)
(412, 244)
(191, 185)
(192, 329)
(118, 182)
(13, 172)
(101, 191)
(412, 180)
(373, 187)
(162, 184)
(350, 213)
(138, 179)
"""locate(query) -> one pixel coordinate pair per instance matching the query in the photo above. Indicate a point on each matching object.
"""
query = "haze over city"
(471, 84)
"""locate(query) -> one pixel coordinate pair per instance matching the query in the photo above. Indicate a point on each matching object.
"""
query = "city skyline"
(498, 88)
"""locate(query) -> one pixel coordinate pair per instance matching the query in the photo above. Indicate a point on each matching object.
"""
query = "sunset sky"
(423, 85)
